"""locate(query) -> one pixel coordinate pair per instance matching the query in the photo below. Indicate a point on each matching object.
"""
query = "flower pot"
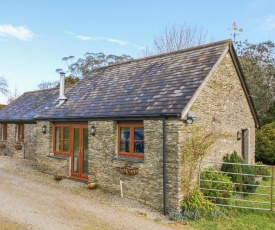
(91, 185)
(57, 177)
(18, 146)
(128, 171)
(132, 171)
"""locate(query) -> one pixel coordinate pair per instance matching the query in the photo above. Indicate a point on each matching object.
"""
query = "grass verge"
(242, 218)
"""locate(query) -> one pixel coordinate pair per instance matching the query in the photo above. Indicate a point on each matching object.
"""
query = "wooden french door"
(79, 147)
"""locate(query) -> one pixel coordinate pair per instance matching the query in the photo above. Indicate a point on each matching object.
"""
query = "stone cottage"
(136, 113)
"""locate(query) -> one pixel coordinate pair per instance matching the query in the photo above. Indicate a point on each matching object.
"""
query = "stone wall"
(221, 106)
(46, 161)
(147, 185)
(28, 147)
(222, 109)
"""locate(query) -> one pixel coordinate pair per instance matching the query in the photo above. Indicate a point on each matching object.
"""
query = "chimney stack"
(62, 97)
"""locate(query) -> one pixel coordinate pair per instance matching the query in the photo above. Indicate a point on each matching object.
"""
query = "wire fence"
(252, 191)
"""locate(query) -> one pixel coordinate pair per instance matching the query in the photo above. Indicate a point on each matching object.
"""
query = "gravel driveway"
(35, 200)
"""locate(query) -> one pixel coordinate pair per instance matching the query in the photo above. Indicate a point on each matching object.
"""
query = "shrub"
(217, 181)
(264, 171)
(195, 206)
(246, 183)
(265, 148)
(234, 168)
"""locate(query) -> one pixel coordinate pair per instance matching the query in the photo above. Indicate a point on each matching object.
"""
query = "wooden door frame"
(79, 175)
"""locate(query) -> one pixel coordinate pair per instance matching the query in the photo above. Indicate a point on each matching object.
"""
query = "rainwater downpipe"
(164, 164)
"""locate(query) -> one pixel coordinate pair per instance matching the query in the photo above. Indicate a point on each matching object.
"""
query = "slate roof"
(153, 86)
(29, 104)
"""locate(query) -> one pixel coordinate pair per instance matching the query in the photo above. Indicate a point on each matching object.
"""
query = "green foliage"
(249, 181)
(84, 66)
(258, 65)
(215, 181)
(242, 218)
(269, 116)
(264, 171)
(198, 141)
(237, 172)
(265, 147)
(195, 206)
(233, 158)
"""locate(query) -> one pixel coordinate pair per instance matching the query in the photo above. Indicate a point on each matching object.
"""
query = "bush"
(265, 148)
(195, 206)
(249, 181)
(213, 176)
(264, 171)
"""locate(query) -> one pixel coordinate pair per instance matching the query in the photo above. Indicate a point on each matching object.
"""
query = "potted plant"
(17, 146)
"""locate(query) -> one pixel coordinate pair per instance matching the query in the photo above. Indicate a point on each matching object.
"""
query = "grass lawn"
(242, 218)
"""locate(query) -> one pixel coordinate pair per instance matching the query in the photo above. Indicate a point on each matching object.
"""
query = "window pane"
(4, 131)
(125, 139)
(20, 132)
(139, 140)
(66, 133)
(57, 138)
(66, 146)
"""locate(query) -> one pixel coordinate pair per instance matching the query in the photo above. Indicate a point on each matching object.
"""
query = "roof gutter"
(111, 116)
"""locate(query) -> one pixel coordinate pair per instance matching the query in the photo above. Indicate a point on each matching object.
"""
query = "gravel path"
(36, 201)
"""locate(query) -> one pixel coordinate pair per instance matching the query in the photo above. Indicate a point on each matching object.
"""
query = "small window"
(4, 131)
(131, 140)
(20, 132)
(61, 139)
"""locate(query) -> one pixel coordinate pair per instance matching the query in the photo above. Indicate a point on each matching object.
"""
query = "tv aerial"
(236, 29)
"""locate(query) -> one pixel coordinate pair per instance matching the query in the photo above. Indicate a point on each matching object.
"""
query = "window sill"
(58, 157)
(129, 159)
(19, 142)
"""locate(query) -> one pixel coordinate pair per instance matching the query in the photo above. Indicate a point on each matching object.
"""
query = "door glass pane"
(76, 150)
(85, 149)
(57, 138)
(139, 140)
(125, 139)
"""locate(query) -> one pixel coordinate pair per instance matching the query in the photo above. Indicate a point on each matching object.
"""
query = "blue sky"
(35, 35)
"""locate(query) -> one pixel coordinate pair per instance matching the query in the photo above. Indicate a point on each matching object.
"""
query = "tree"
(4, 86)
(13, 95)
(83, 67)
(258, 65)
(265, 148)
(175, 37)
(47, 84)
(269, 116)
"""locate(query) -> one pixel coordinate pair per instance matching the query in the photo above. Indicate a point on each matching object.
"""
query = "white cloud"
(94, 38)
(267, 23)
(21, 32)
(122, 43)
(139, 47)
(86, 38)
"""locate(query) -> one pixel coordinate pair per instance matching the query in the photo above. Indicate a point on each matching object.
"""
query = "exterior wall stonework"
(222, 107)
(28, 150)
(147, 185)
(46, 162)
